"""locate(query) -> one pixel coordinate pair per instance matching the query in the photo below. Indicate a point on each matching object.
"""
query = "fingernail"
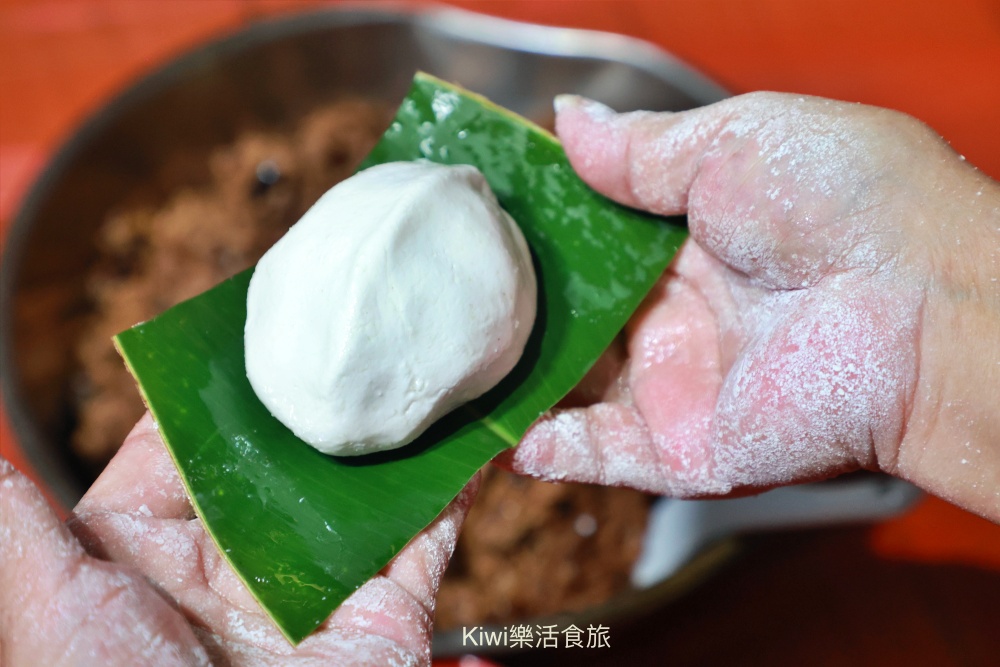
(594, 110)
(563, 102)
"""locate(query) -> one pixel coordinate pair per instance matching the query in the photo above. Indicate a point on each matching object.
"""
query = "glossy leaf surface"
(304, 530)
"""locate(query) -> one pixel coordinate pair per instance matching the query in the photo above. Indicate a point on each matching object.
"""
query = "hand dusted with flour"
(145, 585)
(804, 332)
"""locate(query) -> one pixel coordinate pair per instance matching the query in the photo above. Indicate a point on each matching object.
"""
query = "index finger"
(141, 477)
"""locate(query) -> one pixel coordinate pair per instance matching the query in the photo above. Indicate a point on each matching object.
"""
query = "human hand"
(145, 584)
(839, 252)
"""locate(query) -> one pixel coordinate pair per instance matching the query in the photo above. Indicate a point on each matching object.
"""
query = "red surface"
(61, 59)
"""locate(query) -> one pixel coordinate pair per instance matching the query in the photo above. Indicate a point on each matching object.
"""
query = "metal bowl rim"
(452, 23)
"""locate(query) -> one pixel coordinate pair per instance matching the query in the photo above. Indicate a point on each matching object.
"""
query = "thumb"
(782, 188)
(641, 159)
(34, 549)
(58, 604)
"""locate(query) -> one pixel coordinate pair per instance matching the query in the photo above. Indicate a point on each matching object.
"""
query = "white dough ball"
(404, 292)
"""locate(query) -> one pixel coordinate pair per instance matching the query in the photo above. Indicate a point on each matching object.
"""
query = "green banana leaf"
(304, 530)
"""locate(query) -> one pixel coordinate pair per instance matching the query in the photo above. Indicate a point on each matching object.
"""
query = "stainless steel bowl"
(260, 74)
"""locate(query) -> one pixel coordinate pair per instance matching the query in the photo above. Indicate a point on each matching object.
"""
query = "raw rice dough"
(404, 292)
